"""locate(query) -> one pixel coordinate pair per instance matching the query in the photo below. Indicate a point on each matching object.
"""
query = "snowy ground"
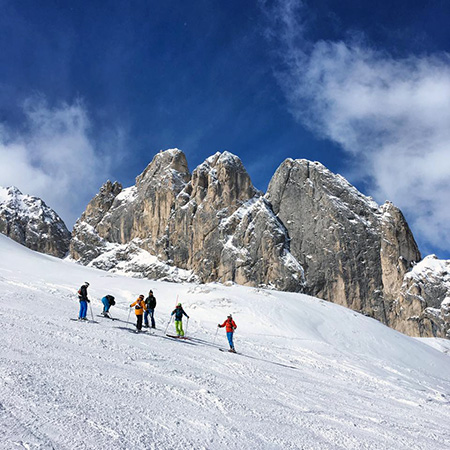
(312, 375)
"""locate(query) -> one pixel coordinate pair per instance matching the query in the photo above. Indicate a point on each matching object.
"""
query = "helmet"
(86, 283)
(179, 304)
(230, 316)
(151, 292)
(141, 296)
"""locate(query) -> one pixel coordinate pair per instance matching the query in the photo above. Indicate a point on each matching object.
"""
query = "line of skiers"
(145, 308)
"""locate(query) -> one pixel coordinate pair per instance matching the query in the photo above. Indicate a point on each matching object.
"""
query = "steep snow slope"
(312, 375)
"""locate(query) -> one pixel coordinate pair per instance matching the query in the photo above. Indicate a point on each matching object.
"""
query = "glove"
(188, 317)
(218, 325)
(88, 300)
(131, 306)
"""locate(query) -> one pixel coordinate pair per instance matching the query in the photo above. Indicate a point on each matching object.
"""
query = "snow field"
(312, 375)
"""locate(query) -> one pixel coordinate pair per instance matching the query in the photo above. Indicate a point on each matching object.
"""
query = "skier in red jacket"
(230, 327)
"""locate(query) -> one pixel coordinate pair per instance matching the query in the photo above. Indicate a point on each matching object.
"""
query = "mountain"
(29, 221)
(310, 374)
(212, 225)
(312, 232)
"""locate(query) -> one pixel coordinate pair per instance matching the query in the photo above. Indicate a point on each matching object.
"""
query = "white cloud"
(53, 157)
(391, 114)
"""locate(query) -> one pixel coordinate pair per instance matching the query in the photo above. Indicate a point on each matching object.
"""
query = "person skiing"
(108, 301)
(83, 297)
(150, 302)
(179, 311)
(139, 308)
(230, 327)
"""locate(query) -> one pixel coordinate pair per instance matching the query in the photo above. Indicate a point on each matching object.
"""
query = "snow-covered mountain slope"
(312, 374)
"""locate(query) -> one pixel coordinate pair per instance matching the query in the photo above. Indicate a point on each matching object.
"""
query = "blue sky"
(92, 90)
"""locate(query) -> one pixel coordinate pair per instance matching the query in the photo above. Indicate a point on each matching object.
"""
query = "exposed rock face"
(86, 244)
(353, 252)
(214, 225)
(29, 221)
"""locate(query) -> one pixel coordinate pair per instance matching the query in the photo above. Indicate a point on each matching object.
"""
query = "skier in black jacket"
(83, 297)
(150, 302)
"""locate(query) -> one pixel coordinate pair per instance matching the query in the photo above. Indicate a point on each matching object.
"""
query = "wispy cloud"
(54, 157)
(391, 114)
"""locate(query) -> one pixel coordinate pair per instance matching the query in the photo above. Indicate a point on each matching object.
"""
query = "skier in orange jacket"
(230, 327)
(139, 308)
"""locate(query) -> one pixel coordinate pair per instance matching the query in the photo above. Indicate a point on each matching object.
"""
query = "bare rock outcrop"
(29, 221)
(353, 252)
(214, 224)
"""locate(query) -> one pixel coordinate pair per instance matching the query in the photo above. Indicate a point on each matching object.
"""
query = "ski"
(176, 337)
(106, 317)
(228, 351)
(87, 320)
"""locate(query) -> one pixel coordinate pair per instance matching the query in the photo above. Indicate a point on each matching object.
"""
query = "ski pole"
(215, 335)
(187, 325)
(128, 320)
(168, 323)
(92, 314)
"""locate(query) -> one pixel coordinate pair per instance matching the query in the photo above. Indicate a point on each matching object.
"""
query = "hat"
(151, 292)
(141, 296)
(86, 283)
(179, 304)
(229, 315)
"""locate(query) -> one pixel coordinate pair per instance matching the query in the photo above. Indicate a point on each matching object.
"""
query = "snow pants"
(83, 309)
(106, 305)
(230, 339)
(151, 313)
(139, 322)
(179, 327)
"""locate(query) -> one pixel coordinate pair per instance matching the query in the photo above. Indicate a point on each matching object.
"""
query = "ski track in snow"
(311, 375)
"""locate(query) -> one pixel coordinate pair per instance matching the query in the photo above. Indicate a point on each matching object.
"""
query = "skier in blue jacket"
(108, 301)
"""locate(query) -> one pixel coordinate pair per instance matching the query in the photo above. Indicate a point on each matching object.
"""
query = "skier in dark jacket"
(179, 312)
(108, 301)
(230, 327)
(83, 297)
(150, 302)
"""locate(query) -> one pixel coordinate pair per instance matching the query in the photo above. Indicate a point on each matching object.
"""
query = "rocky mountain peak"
(169, 167)
(29, 221)
(222, 178)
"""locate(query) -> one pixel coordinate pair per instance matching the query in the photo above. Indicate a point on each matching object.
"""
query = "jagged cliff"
(212, 225)
(29, 221)
(312, 232)
(354, 252)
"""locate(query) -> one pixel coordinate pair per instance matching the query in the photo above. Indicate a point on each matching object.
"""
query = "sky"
(91, 91)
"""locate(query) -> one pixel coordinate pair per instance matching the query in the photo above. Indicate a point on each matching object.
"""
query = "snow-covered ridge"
(14, 202)
(29, 221)
(431, 266)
